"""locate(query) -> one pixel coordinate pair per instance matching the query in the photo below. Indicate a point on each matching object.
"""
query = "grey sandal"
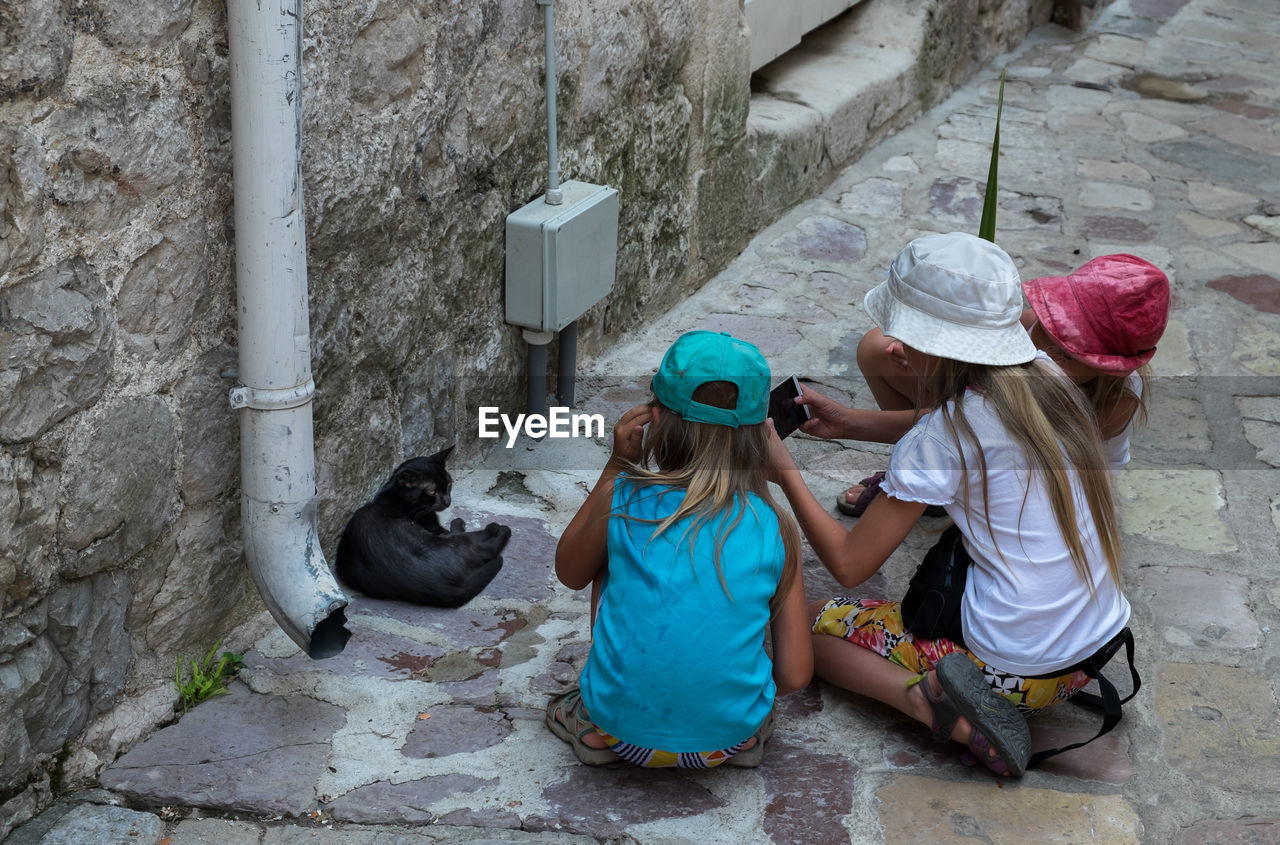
(1001, 739)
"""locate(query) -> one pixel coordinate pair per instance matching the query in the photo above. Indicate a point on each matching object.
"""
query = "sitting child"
(693, 562)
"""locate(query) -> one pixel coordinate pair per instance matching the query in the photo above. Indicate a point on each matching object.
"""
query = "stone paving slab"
(1156, 132)
(988, 812)
(1223, 726)
(256, 753)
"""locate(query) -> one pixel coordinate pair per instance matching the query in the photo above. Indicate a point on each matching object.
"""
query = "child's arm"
(833, 421)
(583, 548)
(851, 556)
(791, 632)
(1114, 418)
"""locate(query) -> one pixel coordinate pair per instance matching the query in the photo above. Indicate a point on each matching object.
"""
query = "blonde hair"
(1105, 389)
(716, 466)
(1056, 429)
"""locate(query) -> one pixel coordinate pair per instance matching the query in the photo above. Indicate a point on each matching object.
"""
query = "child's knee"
(873, 353)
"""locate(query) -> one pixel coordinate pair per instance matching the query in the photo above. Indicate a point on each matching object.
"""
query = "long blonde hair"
(716, 466)
(1052, 422)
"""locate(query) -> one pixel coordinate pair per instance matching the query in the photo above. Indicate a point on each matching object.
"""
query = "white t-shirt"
(1026, 610)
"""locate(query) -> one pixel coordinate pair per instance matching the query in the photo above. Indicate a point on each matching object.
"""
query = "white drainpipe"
(277, 453)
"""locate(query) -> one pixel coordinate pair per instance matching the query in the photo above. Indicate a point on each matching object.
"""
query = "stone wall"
(423, 128)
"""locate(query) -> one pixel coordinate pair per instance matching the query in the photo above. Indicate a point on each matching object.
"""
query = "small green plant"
(987, 228)
(207, 677)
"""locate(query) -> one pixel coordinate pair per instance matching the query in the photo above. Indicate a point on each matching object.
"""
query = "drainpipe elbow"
(283, 550)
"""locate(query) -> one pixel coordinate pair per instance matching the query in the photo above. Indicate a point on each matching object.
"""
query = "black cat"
(395, 548)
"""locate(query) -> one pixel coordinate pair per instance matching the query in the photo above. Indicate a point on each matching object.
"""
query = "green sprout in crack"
(207, 678)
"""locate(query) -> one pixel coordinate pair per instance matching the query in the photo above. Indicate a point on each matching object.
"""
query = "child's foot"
(753, 754)
(567, 719)
(964, 708)
(856, 500)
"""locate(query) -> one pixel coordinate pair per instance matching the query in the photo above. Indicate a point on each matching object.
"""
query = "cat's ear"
(443, 454)
(408, 478)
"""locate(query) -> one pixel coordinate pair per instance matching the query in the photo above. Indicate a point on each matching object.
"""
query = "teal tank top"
(676, 663)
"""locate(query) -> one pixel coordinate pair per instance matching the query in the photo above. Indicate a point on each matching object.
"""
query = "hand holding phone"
(786, 414)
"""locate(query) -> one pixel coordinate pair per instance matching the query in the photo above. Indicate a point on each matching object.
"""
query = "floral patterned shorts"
(877, 626)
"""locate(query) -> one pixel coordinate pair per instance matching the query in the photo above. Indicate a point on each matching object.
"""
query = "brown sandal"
(870, 489)
(754, 756)
(567, 719)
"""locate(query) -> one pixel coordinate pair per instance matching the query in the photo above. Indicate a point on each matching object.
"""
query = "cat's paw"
(457, 526)
(493, 529)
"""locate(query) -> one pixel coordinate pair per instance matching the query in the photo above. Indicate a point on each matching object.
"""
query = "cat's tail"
(477, 566)
(447, 579)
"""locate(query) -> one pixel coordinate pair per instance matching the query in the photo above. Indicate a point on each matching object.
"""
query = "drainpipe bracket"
(272, 399)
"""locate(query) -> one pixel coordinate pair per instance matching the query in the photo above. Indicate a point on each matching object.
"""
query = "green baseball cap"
(698, 357)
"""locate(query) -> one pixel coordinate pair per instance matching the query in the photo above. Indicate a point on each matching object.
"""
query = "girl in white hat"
(1012, 452)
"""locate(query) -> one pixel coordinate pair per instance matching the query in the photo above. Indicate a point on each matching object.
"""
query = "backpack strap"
(1108, 700)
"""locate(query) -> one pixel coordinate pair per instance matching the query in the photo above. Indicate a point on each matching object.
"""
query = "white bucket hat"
(954, 296)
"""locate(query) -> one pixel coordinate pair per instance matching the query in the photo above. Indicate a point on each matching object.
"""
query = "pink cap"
(1108, 314)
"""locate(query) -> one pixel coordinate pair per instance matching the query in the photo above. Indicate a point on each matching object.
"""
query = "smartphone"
(786, 414)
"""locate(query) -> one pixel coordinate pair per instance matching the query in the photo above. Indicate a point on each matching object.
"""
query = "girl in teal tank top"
(690, 562)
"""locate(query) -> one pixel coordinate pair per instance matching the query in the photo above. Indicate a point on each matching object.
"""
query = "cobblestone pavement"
(1154, 132)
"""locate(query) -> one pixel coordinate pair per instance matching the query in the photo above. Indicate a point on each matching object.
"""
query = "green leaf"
(209, 676)
(987, 228)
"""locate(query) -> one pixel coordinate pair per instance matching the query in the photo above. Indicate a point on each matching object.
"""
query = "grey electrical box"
(561, 259)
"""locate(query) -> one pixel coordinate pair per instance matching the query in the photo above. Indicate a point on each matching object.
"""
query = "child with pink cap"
(1100, 324)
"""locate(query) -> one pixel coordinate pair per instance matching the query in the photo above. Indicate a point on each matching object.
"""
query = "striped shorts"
(652, 758)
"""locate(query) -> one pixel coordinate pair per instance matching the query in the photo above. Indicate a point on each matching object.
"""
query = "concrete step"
(850, 83)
